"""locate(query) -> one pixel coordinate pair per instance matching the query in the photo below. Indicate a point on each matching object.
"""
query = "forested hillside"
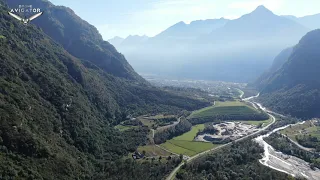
(57, 112)
(295, 88)
(79, 38)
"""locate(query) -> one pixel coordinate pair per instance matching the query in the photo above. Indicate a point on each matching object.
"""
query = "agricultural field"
(189, 136)
(157, 120)
(153, 150)
(224, 108)
(308, 128)
(160, 116)
(227, 111)
(189, 148)
(217, 104)
(257, 123)
(184, 143)
(229, 103)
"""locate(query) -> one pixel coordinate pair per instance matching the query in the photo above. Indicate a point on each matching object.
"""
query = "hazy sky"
(150, 17)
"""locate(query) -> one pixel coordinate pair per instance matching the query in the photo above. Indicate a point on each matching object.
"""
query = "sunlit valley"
(217, 99)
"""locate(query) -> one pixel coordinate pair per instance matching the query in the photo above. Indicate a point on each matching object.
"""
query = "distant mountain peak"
(261, 7)
(181, 23)
(262, 10)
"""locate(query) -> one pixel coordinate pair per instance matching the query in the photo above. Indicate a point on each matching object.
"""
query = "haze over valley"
(217, 49)
(216, 99)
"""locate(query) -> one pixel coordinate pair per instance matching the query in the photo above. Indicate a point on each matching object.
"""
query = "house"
(137, 155)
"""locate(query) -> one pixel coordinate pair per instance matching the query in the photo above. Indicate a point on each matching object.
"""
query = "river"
(279, 161)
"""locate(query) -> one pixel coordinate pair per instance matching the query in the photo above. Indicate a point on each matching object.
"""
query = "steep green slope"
(57, 112)
(79, 38)
(295, 88)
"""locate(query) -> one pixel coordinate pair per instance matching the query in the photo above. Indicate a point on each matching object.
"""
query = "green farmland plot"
(308, 128)
(195, 146)
(230, 110)
(184, 143)
(256, 123)
(224, 111)
(306, 134)
(153, 150)
(189, 148)
(189, 136)
(177, 149)
(229, 103)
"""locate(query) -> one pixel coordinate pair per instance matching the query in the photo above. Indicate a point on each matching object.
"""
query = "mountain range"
(310, 21)
(178, 31)
(201, 49)
(294, 87)
(62, 91)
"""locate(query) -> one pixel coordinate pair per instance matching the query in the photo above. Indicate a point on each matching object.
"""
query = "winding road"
(271, 158)
(257, 106)
(170, 125)
(297, 144)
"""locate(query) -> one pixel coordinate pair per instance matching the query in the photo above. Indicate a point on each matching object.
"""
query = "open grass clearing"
(225, 110)
(153, 150)
(229, 103)
(147, 122)
(308, 128)
(189, 136)
(123, 128)
(218, 104)
(256, 123)
(189, 148)
(194, 146)
(176, 149)
(156, 121)
(228, 109)
(160, 116)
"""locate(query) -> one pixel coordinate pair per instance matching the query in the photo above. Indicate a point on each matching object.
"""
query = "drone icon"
(26, 20)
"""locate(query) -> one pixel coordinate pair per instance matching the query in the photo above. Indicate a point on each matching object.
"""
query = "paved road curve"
(168, 126)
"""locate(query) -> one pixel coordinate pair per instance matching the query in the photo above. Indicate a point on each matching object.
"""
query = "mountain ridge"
(310, 21)
(294, 89)
(249, 38)
(58, 112)
(74, 33)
